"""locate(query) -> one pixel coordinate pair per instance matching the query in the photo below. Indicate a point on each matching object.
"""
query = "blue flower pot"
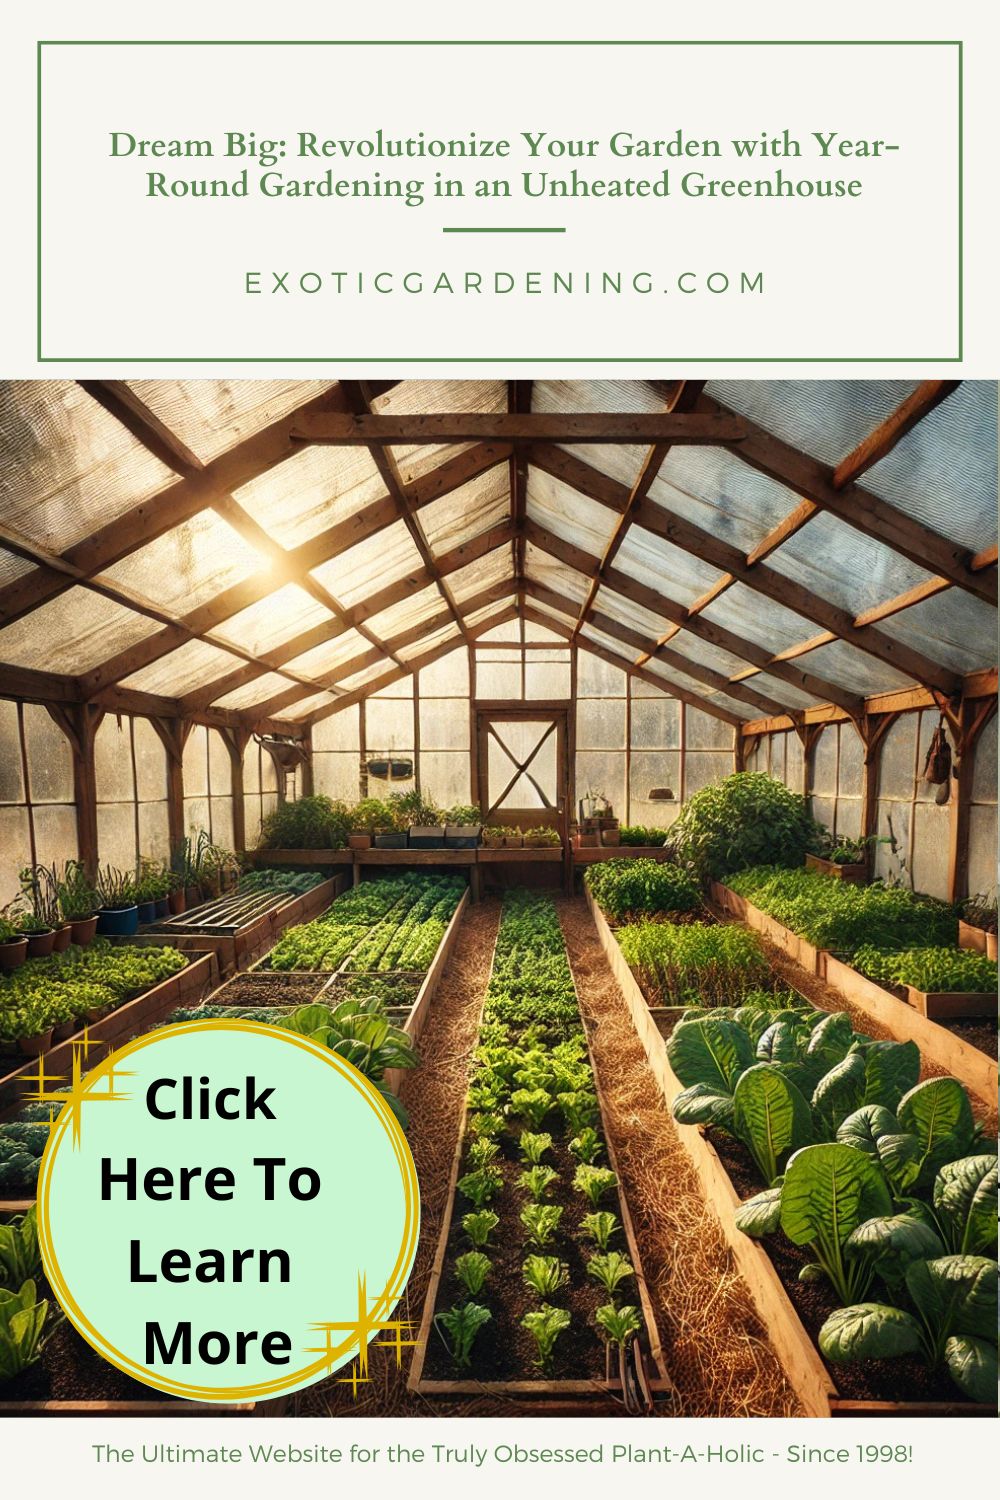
(147, 912)
(121, 923)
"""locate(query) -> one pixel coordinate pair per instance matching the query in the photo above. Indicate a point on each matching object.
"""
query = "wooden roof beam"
(371, 430)
(918, 404)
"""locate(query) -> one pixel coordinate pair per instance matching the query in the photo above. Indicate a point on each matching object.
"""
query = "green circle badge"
(228, 1211)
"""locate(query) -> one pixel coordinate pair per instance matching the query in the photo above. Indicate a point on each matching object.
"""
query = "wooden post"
(236, 741)
(739, 751)
(972, 717)
(83, 721)
(307, 764)
(174, 733)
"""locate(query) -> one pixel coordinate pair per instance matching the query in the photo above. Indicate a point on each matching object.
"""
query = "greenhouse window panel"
(760, 621)
(67, 467)
(211, 416)
(959, 631)
(510, 630)
(387, 557)
(468, 511)
(659, 565)
(944, 471)
(314, 490)
(257, 691)
(569, 621)
(825, 418)
(407, 614)
(188, 565)
(13, 567)
(697, 689)
(497, 567)
(272, 621)
(844, 566)
(413, 460)
(644, 621)
(306, 706)
(847, 667)
(367, 675)
(429, 643)
(549, 573)
(619, 461)
(327, 657)
(194, 665)
(718, 492)
(100, 629)
(574, 517)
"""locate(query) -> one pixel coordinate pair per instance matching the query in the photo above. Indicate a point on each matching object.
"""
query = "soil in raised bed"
(503, 1350)
(905, 1379)
(268, 988)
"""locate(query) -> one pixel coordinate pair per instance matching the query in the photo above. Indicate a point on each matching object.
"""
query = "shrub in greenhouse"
(316, 822)
(747, 819)
(621, 886)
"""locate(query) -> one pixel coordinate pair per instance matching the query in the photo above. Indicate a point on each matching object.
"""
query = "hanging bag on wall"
(937, 766)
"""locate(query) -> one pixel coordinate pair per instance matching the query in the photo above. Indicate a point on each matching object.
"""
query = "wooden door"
(522, 769)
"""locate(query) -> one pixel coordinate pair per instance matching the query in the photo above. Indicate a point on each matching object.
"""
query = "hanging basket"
(390, 769)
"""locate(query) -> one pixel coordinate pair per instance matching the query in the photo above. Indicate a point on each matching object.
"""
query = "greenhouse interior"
(622, 756)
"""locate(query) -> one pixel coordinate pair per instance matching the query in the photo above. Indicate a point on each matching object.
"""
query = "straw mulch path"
(715, 1348)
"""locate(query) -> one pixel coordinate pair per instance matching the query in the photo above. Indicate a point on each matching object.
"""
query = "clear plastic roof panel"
(384, 558)
(847, 667)
(411, 396)
(212, 416)
(758, 620)
(307, 706)
(272, 621)
(707, 655)
(13, 567)
(67, 467)
(101, 629)
(621, 461)
(367, 675)
(429, 642)
(721, 494)
(955, 629)
(260, 690)
(319, 662)
(407, 614)
(187, 566)
(784, 692)
(191, 666)
(627, 612)
(824, 418)
(573, 517)
(487, 612)
(556, 614)
(944, 471)
(844, 566)
(547, 571)
(462, 515)
(660, 565)
(317, 488)
(672, 677)
(496, 568)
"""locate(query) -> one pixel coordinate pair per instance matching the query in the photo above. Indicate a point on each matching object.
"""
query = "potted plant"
(368, 818)
(48, 931)
(844, 859)
(977, 927)
(424, 820)
(610, 833)
(119, 913)
(392, 824)
(493, 837)
(542, 838)
(183, 876)
(35, 1026)
(176, 896)
(41, 937)
(590, 837)
(78, 901)
(513, 838)
(146, 890)
(13, 947)
(461, 826)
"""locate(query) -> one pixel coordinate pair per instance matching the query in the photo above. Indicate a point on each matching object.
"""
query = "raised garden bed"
(977, 939)
(239, 929)
(501, 1364)
(904, 1022)
(856, 874)
(773, 1296)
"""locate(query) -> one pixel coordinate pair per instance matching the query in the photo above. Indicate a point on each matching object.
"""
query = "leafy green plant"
(747, 819)
(618, 1324)
(594, 1182)
(623, 886)
(486, 1125)
(587, 1146)
(316, 822)
(531, 1105)
(545, 1274)
(116, 888)
(480, 1225)
(579, 1109)
(78, 898)
(930, 969)
(541, 1220)
(638, 836)
(685, 964)
(537, 1181)
(463, 815)
(837, 915)
(599, 1227)
(20, 1256)
(482, 1151)
(460, 1325)
(472, 1269)
(545, 1326)
(357, 1031)
(964, 1201)
(610, 1269)
(481, 1186)
(534, 1146)
(22, 1327)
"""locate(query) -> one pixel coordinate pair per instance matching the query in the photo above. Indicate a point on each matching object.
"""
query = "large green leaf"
(866, 1126)
(832, 1038)
(710, 1052)
(965, 1200)
(868, 1330)
(770, 1117)
(781, 1042)
(901, 1157)
(828, 1191)
(899, 1238)
(972, 1365)
(839, 1093)
(955, 1294)
(760, 1215)
(939, 1114)
(891, 1070)
(701, 1105)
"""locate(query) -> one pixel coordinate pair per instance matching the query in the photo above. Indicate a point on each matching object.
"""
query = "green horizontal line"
(503, 229)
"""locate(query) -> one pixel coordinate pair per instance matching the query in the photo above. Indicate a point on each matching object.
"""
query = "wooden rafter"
(928, 395)
(369, 429)
(785, 591)
(519, 401)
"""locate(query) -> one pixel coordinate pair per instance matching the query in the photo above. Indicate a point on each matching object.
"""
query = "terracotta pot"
(95, 1014)
(589, 840)
(34, 1046)
(359, 841)
(177, 902)
(13, 954)
(65, 1031)
(40, 944)
(82, 930)
(192, 895)
(63, 938)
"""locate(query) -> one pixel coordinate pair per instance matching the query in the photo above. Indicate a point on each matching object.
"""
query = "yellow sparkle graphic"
(362, 1330)
(73, 1097)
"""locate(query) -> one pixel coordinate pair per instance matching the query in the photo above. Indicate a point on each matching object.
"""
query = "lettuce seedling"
(460, 1325)
(479, 1226)
(587, 1146)
(545, 1274)
(610, 1269)
(537, 1181)
(545, 1326)
(20, 1257)
(599, 1227)
(480, 1186)
(579, 1110)
(22, 1326)
(472, 1269)
(541, 1220)
(534, 1146)
(531, 1105)
(594, 1182)
(618, 1324)
(488, 1124)
(482, 1151)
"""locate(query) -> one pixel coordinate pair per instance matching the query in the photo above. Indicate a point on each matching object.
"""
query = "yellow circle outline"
(387, 1299)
